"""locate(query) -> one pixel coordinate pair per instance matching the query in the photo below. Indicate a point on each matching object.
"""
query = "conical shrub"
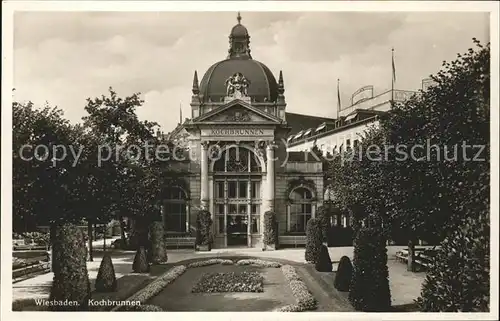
(71, 280)
(369, 290)
(106, 278)
(140, 264)
(324, 263)
(158, 246)
(344, 274)
(313, 240)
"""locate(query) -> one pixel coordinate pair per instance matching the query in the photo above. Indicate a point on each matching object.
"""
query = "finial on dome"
(239, 18)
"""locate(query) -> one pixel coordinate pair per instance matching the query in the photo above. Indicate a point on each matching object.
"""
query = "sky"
(65, 57)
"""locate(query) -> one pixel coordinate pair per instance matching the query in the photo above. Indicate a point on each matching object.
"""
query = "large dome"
(263, 86)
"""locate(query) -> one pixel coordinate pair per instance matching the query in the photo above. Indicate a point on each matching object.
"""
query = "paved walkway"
(405, 286)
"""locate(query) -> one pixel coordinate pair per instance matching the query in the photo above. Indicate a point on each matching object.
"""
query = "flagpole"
(180, 113)
(338, 98)
(392, 77)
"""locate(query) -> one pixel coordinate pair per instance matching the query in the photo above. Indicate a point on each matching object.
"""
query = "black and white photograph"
(330, 159)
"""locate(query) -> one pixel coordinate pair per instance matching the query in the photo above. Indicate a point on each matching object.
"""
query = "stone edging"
(305, 300)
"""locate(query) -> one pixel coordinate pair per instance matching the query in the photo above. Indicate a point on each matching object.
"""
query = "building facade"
(248, 155)
(239, 166)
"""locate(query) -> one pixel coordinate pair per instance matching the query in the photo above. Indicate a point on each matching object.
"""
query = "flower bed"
(210, 262)
(304, 298)
(290, 273)
(259, 263)
(230, 282)
(157, 285)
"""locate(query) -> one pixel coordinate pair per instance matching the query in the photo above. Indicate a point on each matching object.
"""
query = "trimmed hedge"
(459, 277)
(323, 217)
(158, 244)
(270, 229)
(140, 264)
(106, 278)
(204, 228)
(313, 240)
(369, 290)
(71, 280)
(344, 274)
(324, 264)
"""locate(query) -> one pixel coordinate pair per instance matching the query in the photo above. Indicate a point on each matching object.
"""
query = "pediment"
(237, 112)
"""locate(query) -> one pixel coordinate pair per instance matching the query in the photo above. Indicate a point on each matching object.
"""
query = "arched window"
(175, 210)
(236, 160)
(301, 210)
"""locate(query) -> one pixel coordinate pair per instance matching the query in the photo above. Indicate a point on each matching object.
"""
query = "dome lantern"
(239, 41)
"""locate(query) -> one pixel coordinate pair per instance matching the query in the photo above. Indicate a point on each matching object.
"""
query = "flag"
(339, 103)
(393, 68)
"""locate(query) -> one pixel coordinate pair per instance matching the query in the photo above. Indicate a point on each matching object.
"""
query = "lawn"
(179, 296)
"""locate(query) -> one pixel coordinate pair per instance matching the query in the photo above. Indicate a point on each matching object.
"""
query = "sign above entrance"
(245, 132)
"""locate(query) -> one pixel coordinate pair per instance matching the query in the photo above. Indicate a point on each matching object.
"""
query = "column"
(204, 176)
(249, 213)
(270, 177)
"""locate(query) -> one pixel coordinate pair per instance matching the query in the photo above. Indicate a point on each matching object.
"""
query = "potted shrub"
(204, 231)
(270, 232)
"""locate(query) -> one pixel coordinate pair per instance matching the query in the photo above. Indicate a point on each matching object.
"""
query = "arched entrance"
(237, 176)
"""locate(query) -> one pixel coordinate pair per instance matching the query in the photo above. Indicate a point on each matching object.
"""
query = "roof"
(263, 86)
(300, 122)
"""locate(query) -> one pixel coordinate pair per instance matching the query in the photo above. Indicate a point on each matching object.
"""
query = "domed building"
(248, 155)
(239, 167)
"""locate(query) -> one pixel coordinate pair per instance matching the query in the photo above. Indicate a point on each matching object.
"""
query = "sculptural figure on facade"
(237, 85)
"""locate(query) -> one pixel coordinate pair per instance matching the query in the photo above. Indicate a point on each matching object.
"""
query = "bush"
(458, 279)
(71, 280)
(313, 240)
(344, 274)
(369, 289)
(140, 264)
(204, 228)
(270, 229)
(158, 245)
(323, 217)
(106, 278)
(324, 263)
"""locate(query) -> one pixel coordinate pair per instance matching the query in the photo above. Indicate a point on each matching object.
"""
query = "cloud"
(66, 57)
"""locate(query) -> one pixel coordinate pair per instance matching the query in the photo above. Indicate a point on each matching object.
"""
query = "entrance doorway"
(237, 230)
(237, 196)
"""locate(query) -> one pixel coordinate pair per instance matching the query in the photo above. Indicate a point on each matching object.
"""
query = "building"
(247, 152)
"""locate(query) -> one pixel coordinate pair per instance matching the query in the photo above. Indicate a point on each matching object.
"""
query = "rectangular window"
(255, 209)
(220, 190)
(231, 189)
(233, 209)
(220, 208)
(243, 186)
(356, 143)
(242, 209)
(255, 190)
